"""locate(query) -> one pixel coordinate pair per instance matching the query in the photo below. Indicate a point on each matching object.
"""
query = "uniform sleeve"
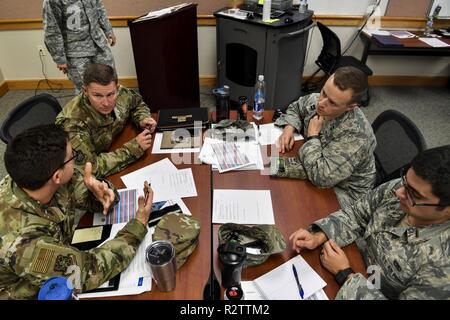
(328, 165)
(296, 112)
(350, 223)
(53, 39)
(37, 257)
(106, 163)
(140, 110)
(103, 19)
(430, 283)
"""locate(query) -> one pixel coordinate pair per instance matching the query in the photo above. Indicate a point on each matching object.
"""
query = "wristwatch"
(342, 275)
(312, 137)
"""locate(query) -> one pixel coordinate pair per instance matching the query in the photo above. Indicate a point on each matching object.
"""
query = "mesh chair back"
(331, 50)
(40, 109)
(398, 142)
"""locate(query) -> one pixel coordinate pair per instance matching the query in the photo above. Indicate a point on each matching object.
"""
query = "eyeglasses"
(409, 192)
(75, 154)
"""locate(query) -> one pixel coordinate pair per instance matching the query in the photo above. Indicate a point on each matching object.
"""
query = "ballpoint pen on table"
(300, 288)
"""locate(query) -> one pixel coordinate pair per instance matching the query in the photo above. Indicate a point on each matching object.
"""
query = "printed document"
(243, 207)
(251, 292)
(436, 43)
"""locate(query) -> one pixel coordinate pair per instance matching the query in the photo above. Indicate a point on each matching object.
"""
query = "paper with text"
(243, 207)
(269, 133)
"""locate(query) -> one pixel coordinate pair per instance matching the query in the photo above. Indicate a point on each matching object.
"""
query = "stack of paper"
(280, 283)
(166, 181)
(251, 152)
(159, 13)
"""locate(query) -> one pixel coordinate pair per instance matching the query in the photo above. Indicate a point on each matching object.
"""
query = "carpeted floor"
(427, 107)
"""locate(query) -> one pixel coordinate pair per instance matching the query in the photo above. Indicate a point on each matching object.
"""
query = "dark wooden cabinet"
(166, 58)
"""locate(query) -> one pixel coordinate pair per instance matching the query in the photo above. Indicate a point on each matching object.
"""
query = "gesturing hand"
(145, 204)
(286, 140)
(100, 189)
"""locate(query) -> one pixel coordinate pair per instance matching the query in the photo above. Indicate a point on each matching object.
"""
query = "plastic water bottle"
(267, 6)
(303, 6)
(260, 98)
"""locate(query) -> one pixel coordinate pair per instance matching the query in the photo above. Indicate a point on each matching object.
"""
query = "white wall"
(19, 59)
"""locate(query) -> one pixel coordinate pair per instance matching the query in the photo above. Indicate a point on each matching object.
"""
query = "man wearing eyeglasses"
(99, 114)
(340, 142)
(37, 216)
(406, 226)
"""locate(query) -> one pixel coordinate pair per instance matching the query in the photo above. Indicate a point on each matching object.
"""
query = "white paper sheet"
(269, 133)
(436, 43)
(169, 185)
(137, 277)
(157, 147)
(136, 179)
(280, 284)
(243, 206)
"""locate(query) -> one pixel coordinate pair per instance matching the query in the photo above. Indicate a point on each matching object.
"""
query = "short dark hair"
(433, 165)
(351, 78)
(99, 73)
(33, 155)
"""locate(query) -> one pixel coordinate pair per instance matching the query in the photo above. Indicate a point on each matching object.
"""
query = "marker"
(300, 288)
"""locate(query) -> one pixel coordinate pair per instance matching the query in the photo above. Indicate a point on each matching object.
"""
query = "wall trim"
(64, 83)
(3, 88)
(210, 20)
(210, 81)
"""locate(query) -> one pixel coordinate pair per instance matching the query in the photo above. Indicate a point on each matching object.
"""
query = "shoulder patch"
(42, 260)
(63, 262)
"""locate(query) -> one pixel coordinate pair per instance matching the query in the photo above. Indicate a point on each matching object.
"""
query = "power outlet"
(41, 50)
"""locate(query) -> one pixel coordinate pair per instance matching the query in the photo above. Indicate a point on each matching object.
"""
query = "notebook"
(388, 41)
(280, 284)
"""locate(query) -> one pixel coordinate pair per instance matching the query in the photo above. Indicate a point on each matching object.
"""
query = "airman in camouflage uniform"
(406, 226)
(74, 34)
(339, 146)
(35, 236)
(93, 121)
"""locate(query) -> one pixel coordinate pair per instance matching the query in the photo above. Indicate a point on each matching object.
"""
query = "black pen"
(300, 288)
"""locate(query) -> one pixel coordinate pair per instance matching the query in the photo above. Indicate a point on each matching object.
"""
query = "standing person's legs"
(76, 67)
(104, 56)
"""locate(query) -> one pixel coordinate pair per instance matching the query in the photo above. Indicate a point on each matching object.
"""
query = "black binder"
(171, 119)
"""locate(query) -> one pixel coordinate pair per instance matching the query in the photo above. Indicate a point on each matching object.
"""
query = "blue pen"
(300, 288)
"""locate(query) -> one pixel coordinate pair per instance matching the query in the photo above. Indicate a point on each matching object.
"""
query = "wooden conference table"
(296, 204)
(411, 47)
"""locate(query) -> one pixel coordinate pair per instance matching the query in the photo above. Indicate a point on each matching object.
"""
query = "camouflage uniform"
(74, 33)
(414, 262)
(342, 157)
(92, 133)
(35, 241)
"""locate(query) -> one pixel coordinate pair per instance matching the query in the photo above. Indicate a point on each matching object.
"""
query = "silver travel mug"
(161, 256)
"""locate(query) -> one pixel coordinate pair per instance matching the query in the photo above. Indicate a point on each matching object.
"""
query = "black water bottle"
(222, 103)
(232, 257)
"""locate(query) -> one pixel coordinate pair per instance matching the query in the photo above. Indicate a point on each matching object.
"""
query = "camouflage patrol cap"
(182, 231)
(264, 239)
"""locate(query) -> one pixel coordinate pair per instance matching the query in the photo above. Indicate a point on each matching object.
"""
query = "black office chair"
(398, 142)
(40, 109)
(331, 58)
